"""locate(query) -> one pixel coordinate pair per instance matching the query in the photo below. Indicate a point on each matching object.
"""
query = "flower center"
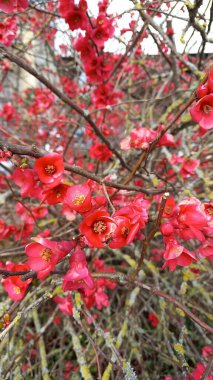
(46, 254)
(77, 201)
(125, 231)
(99, 227)
(98, 35)
(77, 19)
(207, 108)
(50, 169)
(17, 290)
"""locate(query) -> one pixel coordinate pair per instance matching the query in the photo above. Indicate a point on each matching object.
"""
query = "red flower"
(175, 254)
(14, 286)
(125, 232)
(97, 227)
(64, 304)
(202, 91)
(206, 249)
(44, 98)
(141, 137)
(100, 152)
(189, 166)
(78, 275)
(10, 6)
(56, 194)
(44, 254)
(27, 180)
(8, 30)
(136, 212)
(206, 351)
(153, 319)
(169, 208)
(74, 15)
(78, 198)
(85, 46)
(202, 112)
(191, 219)
(50, 169)
(198, 372)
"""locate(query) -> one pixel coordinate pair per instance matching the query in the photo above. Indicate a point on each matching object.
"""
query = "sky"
(182, 35)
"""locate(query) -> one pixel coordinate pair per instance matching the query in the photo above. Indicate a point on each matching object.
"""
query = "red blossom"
(78, 275)
(74, 15)
(14, 286)
(64, 304)
(78, 198)
(124, 233)
(202, 112)
(98, 227)
(140, 138)
(43, 254)
(50, 169)
(175, 254)
(10, 6)
(27, 180)
(198, 372)
(100, 152)
(56, 194)
(153, 319)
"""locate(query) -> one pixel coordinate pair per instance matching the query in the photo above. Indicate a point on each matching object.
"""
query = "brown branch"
(33, 151)
(24, 273)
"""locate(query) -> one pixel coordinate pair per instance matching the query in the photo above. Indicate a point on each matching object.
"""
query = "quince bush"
(106, 209)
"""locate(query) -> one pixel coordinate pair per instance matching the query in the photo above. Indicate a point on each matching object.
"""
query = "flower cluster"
(10, 6)
(187, 221)
(141, 137)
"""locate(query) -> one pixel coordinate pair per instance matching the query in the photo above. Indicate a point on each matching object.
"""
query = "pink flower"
(27, 179)
(64, 304)
(44, 254)
(101, 298)
(189, 166)
(10, 6)
(206, 351)
(199, 371)
(44, 98)
(78, 198)
(206, 249)
(14, 286)
(78, 275)
(175, 254)
(202, 112)
(140, 138)
(191, 219)
(8, 30)
(50, 169)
